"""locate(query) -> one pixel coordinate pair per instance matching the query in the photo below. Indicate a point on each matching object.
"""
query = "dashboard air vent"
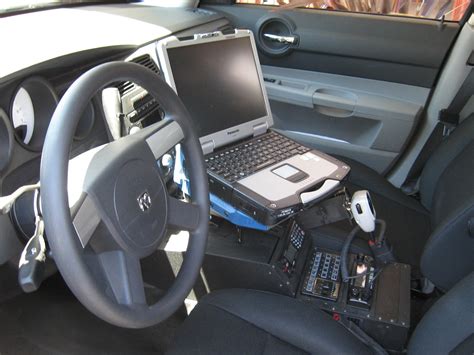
(226, 29)
(124, 87)
(145, 60)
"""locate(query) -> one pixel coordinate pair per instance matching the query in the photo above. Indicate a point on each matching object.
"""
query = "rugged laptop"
(251, 167)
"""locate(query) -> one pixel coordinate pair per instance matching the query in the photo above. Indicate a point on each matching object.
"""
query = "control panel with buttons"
(362, 283)
(322, 277)
(296, 236)
(139, 110)
(295, 241)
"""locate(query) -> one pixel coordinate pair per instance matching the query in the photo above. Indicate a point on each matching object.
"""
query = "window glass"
(452, 10)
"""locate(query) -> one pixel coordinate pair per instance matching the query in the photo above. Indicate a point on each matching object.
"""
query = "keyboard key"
(267, 163)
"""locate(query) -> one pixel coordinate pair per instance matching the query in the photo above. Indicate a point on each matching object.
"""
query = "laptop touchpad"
(290, 173)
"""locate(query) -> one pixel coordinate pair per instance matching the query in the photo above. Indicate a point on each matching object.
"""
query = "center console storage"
(245, 258)
(285, 260)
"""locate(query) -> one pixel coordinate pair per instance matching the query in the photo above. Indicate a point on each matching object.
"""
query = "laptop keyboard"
(241, 160)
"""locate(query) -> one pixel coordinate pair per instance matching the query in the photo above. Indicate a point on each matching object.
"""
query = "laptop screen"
(218, 82)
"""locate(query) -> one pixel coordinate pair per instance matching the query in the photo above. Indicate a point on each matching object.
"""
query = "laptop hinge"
(260, 129)
(208, 147)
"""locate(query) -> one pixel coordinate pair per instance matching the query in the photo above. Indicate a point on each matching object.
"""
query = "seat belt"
(448, 120)
(449, 117)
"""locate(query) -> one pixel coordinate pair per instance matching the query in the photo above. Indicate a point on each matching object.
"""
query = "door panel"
(403, 50)
(359, 118)
(352, 84)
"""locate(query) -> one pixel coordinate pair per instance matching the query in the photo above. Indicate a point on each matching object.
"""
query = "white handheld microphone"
(363, 210)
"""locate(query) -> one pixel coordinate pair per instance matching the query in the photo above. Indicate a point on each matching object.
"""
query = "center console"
(377, 301)
(288, 260)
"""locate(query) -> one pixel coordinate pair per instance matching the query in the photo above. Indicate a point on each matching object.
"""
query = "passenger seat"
(436, 234)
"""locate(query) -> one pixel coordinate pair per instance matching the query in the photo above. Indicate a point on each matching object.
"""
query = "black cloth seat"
(408, 222)
(431, 234)
(241, 321)
(255, 322)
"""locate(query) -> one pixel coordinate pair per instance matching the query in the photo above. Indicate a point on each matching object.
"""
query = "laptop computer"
(250, 166)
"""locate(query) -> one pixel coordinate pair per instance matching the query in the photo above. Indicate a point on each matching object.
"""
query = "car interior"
(237, 177)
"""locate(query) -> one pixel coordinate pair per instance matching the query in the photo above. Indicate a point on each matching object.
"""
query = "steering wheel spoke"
(182, 215)
(123, 275)
(164, 138)
(85, 219)
(121, 270)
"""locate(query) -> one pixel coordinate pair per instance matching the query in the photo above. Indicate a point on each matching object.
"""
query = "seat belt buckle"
(448, 120)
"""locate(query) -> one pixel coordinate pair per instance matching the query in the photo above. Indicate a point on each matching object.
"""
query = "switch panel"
(296, 236)
(295, 241)
(322, 277)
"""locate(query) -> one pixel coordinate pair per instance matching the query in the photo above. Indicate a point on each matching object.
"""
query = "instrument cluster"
(30, 104)
(27, 118)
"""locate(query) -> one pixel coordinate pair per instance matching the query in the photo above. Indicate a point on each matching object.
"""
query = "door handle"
(333, 101)
(281, 39)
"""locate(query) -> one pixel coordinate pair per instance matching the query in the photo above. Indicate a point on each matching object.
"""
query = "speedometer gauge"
(23, 115)
(32, 107)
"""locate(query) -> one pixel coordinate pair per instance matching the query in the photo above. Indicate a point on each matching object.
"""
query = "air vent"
(124, 87)
(226, 29)
(145, 60)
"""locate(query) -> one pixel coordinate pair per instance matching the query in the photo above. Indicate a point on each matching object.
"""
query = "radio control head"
(363, 210)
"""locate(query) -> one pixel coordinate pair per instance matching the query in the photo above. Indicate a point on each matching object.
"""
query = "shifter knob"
(363, 210)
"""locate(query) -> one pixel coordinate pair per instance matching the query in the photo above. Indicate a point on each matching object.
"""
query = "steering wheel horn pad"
(141, 206)
(124, 180)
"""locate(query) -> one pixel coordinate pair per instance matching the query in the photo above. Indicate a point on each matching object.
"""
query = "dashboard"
(36, 74)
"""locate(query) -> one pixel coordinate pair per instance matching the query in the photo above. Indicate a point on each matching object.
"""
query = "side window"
(452, 10)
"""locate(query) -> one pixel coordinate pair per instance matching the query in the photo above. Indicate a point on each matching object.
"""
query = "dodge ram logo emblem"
(144, 201)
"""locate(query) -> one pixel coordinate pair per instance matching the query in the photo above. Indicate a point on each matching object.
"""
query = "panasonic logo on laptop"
(233, 132)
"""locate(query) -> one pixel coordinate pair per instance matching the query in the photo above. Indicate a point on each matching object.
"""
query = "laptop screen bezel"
(231, 134)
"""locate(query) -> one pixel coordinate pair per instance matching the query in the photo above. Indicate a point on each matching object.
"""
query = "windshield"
(450, 10)
(7, 6)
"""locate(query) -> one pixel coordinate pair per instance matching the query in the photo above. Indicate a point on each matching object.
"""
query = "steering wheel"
(120, 210)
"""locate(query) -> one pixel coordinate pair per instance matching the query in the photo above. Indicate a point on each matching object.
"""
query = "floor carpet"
(52, 321)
